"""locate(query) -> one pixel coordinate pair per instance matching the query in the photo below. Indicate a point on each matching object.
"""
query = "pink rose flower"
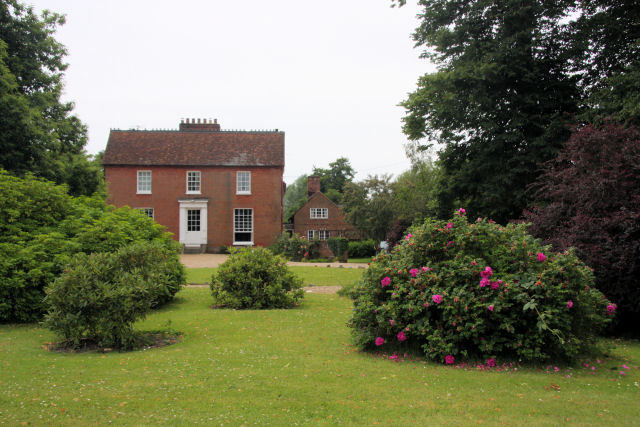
(401, 336)
(449, 225)
(491, 362)
(408, 236)
(425, 269)
(386, 281)
(393, 357)
(490, 307)
(611, 308)
(569, 304)
(449, 359)
(484, 282)
(437, 298)
(495, 285)
(449, 243)
(414, 272)
(487, 272)
(462, 211)
(541, 257)
(379, 341)
(392, 322)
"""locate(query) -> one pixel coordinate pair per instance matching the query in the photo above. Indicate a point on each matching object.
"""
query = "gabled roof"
(312, 199)
(194, 148)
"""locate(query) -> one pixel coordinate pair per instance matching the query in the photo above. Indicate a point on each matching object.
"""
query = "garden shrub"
(295, 247)
(254, 278)
(362, 249)
(456, 290)
(42, 227)
(98, 297)
(339, 246)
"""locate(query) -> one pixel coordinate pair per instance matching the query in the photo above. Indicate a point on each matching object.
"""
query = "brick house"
(210, 188)
(320, 218)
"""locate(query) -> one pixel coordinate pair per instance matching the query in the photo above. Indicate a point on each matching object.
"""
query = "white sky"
(328, 73)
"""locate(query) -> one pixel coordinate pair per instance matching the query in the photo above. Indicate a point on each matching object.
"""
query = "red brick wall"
(218, 184)
(335, 224)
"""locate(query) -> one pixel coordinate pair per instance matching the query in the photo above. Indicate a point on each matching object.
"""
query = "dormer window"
(319, 213)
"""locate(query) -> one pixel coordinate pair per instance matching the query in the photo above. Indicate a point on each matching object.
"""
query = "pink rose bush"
(480, 298)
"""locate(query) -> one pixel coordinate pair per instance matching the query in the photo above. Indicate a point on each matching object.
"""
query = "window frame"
(243, 186)
(311, 234)
(199, 181)
(323, 234)
(250, 230)
(141, 183)
(194, 224)
(319, 213)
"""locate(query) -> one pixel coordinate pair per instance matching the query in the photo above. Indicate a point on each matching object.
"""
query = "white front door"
(193, 222)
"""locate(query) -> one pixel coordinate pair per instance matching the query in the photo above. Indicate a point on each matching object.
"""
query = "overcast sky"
(330, 73)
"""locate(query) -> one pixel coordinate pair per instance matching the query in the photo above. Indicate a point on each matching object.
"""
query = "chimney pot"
(313, 185)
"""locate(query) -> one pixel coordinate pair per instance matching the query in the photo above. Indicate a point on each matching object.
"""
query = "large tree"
(38, 132)
(590, 199)
(369, 205)
(336, 176)
(499, 102)
(511, 77)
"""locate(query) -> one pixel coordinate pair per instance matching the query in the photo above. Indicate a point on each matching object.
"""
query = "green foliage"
(339, 173)
(362, 249)
(369, 206)
(254, 278)
(478, 291)
(42, 227)
(295, 247)
(38, 134)
(295, 197)
(115, 228)
(511, 77)
(415, 192)
(99, 296)
(340, 247)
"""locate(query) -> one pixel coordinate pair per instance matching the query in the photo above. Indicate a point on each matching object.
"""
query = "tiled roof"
(179, 148)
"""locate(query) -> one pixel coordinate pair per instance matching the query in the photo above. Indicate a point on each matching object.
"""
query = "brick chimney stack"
(200, 126)
(313, 185)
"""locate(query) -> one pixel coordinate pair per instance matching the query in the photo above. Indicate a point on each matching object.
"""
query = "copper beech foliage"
(590, 200)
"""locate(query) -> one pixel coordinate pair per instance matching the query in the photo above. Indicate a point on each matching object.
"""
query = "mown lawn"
(292, 367)
(317, 276)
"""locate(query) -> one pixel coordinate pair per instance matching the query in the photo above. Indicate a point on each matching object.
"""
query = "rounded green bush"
(479, 291)
(98, 297)
(254, 278)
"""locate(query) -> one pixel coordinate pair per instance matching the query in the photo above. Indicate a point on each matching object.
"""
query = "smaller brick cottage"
(320, 218)
(210, 188)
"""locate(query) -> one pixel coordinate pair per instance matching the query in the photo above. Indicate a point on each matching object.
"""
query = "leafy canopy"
(38, 133)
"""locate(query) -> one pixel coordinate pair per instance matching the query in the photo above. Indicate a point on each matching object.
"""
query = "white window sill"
(243, 193)
(194, 192)
(242, 243)
(143, 192)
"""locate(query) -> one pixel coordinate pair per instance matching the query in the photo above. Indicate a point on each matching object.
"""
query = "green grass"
(288, 367)
(359, 260)
(318, 276)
